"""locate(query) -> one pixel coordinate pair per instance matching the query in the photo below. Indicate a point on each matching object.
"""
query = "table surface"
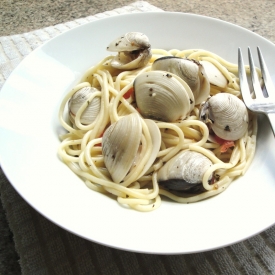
(23, 16)
(69, 254)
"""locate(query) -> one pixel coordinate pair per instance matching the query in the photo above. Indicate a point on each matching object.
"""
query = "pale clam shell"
(214, 75)
(131, 41)
(131, 61)
(163, 96)
(183, 171)
(191, 71)
(227, 115)
(134, 51)
(121, 142)
(81, 97)
(156, 140)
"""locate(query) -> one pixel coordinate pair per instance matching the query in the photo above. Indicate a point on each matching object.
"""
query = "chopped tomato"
(225, 144)
(128, 93)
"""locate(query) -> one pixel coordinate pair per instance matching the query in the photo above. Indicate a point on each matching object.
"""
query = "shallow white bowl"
(29, 128)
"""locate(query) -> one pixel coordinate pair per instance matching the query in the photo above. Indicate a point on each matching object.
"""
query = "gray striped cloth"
(44, 248)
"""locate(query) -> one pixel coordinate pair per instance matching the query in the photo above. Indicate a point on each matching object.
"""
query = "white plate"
(29, 129)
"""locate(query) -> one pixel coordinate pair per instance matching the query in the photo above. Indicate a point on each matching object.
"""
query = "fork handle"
(271, 117)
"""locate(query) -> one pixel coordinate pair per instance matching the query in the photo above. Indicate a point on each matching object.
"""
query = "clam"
(163, 96)
(121, 146)
(191, 71)
(226, 115)
(214, 75)
(92, 108)
(134, 51)
(184, 172)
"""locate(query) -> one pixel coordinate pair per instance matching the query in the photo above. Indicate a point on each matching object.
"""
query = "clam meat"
(92, 107)
(121, 146)
(191, 71)
(226, 115)
(184, 172)
(163, 96)
(133, 51)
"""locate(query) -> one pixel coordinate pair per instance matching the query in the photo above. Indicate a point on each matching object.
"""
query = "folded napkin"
(44, 248)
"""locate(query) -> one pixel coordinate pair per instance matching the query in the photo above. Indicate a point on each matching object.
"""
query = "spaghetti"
(81, 147)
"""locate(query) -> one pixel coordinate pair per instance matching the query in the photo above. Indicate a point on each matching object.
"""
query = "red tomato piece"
(225, 144)
(128, 93)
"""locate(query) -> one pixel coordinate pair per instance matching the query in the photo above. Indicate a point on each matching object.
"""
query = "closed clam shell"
(227, 115)
(81, 97)
(184, 171)
(191, 71)
(163, 96)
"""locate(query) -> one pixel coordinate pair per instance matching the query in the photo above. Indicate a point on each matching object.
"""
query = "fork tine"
(254, 77)
(243, 79)
(262, 103)
(266, 76)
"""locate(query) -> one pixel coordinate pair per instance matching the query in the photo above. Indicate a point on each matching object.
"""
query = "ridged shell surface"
(82, 97)
(229, 116)
(163, 96)
(120, 144)
(188, 167)
(191, 71)
(131, 41)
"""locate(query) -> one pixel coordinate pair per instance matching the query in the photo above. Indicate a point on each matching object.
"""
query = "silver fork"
(264, 101)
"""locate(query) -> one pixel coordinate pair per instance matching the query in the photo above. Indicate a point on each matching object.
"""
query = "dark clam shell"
(181, 186)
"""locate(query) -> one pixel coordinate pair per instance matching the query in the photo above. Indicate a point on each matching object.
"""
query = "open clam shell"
(121, 146)
(131, 41)
(163, 96)
(226, 115)
(214, 75)
(191, 71)
(134, 51)
(131, 60)
(92, 107)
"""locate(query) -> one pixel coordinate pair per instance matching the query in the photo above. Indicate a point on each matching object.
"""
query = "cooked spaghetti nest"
(81, 147)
